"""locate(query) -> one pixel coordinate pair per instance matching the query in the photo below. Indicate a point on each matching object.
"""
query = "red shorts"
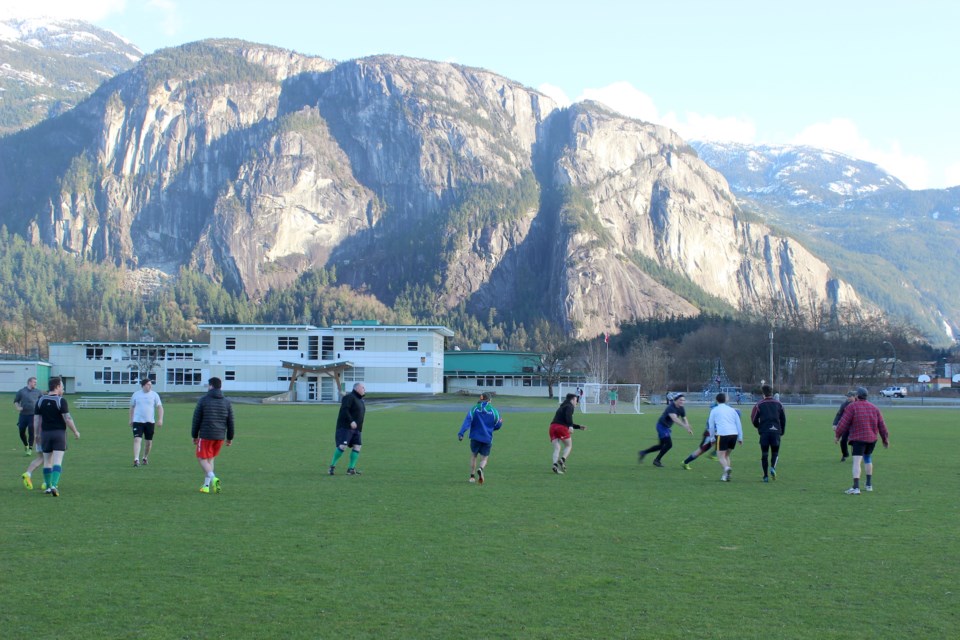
(207, 449)
(559, 431)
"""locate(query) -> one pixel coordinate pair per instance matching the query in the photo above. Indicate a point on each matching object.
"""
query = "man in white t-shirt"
(146, 413)
(725, 427)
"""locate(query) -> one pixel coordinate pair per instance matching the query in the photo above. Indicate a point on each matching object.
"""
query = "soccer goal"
(597, 397)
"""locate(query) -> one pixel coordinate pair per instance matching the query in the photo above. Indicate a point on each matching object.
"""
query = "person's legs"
(844, 451)
(136, 449)
(556, 449)
(148, 439)
(567, 447)
(665, 445)
(56, 468)
(856, 470)
(764, 462)
(482, 462)
(337, 454)
(25, 427)
(473, 464)
(354, 455)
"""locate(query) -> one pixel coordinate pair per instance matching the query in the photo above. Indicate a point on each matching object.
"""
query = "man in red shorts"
(212, 423)
(560, 431)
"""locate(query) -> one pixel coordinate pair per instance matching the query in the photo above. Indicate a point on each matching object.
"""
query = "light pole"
(893, 367)
(771, 357)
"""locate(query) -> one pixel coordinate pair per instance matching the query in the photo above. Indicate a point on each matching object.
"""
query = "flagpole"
(606, 368)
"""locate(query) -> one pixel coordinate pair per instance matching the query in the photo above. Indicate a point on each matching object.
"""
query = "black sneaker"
(331, 471)
(356, 472)
(657, 463)
(53, 491)
(479, 476)
(136, 463)
(556, 468)
(143, 461)
(641, 455)
(563, 464)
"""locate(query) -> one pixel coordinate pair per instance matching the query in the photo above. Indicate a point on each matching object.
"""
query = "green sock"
(353, 459)
(55, 476)
(337, 453)
(47, 472)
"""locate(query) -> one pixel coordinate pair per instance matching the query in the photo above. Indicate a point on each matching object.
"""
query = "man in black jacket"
(349, 426)
(844, 451)
(771, 422)
(212, 424)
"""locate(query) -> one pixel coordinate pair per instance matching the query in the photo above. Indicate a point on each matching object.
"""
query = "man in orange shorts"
(212, 424)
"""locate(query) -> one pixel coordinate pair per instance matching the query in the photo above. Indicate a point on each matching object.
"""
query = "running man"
(724, 424)
(26, 403)
(560, 431)
(673, 414)
(864, 422)
(146, 414)
(50, 422)
(482, 420)
(770, 421)
(349, 428)
(706, 444)
(212, 424)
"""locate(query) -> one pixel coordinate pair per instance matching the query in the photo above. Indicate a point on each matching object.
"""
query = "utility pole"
(771, 358)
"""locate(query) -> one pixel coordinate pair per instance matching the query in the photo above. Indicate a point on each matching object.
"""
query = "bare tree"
(649, 364)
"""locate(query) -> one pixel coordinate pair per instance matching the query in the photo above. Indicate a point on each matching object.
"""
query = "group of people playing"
(44, 419)
(858, 422)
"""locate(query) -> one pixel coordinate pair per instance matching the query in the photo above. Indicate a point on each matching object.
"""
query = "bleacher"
(102, 402)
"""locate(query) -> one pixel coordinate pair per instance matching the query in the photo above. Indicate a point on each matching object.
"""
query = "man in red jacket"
(864, 423)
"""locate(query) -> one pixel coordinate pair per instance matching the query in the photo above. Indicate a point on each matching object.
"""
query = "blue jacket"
(482, 420)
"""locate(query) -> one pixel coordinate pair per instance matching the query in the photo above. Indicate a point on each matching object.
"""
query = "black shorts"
(348, 438)
(143, 430)
(862, 448)
(727, 443)
(51, 441)
(770, 439)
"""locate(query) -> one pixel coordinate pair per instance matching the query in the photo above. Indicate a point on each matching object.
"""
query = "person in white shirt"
(146, 414)
(724, 426)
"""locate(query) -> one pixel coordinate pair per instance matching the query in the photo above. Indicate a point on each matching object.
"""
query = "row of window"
(191, 377)
(292, 343)
(96, 353)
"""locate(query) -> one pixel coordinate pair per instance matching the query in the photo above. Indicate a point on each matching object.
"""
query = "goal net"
(596, 397)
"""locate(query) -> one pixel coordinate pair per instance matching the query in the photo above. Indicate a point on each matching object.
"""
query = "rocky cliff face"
(254, 164)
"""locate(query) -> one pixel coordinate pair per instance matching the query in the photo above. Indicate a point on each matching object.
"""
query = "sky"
(874, 79)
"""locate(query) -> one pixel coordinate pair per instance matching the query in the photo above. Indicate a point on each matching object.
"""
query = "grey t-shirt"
(28, 399)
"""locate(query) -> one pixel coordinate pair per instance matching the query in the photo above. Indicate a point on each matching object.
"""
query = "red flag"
(606, 337)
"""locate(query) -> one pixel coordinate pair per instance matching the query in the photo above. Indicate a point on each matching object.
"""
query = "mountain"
(900, 248)
(48, 66)
(417, 181)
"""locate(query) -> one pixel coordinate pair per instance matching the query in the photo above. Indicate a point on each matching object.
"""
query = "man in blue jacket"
(482, 420)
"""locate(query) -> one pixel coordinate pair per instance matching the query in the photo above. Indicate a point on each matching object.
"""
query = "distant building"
(305, 362)
(511, 373)
(15, 370)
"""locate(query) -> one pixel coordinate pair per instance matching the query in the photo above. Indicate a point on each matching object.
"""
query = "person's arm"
(884, 434)
(70, 423)
(351, 411)
(755, 416)
(783, 421)
(37, 427)
(466, 425)
(739, 428)
(159, 415)
(843, 425)
(16, 402)
(197, 420)
(682, 422)
(132, 405)
(230, 425)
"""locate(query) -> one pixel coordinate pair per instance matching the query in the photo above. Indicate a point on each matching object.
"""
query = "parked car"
(894, 392)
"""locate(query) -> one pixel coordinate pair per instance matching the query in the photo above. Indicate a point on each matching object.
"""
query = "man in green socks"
(349, 427)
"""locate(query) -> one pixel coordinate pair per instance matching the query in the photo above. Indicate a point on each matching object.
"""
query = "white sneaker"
(869, 487)
(852, 491)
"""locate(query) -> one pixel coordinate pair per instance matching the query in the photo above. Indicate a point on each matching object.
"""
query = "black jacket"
(564, 415)
(213, 417)
(352, 409)
(768, 415)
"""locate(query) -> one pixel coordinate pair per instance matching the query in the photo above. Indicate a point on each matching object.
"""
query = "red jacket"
(864, 422)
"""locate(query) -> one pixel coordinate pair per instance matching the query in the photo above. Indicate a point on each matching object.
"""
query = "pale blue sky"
(874, 79)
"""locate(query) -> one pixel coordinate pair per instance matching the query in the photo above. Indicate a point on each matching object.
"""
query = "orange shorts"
(559, 431)
(207, 449)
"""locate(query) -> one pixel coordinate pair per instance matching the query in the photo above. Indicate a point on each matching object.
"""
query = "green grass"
(612, 549)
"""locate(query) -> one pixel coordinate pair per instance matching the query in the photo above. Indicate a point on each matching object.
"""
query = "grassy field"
(409, 549)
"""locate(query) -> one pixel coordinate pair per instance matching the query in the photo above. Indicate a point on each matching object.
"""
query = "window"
(288, 343)
(354, 375)
(229, 375)
(354, 344)
(411, 374)
(326, 348)
(231, 343)
(313, 348)
(109, 376)
(413, 345)
(184, 376)
(94, 353)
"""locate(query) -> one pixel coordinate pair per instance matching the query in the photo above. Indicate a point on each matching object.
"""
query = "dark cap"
(484, 396)
(861, 392)
(851, 394)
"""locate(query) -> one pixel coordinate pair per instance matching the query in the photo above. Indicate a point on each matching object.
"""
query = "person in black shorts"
(673, 414)
(50, 421)
(349, 428)
(844, 450)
